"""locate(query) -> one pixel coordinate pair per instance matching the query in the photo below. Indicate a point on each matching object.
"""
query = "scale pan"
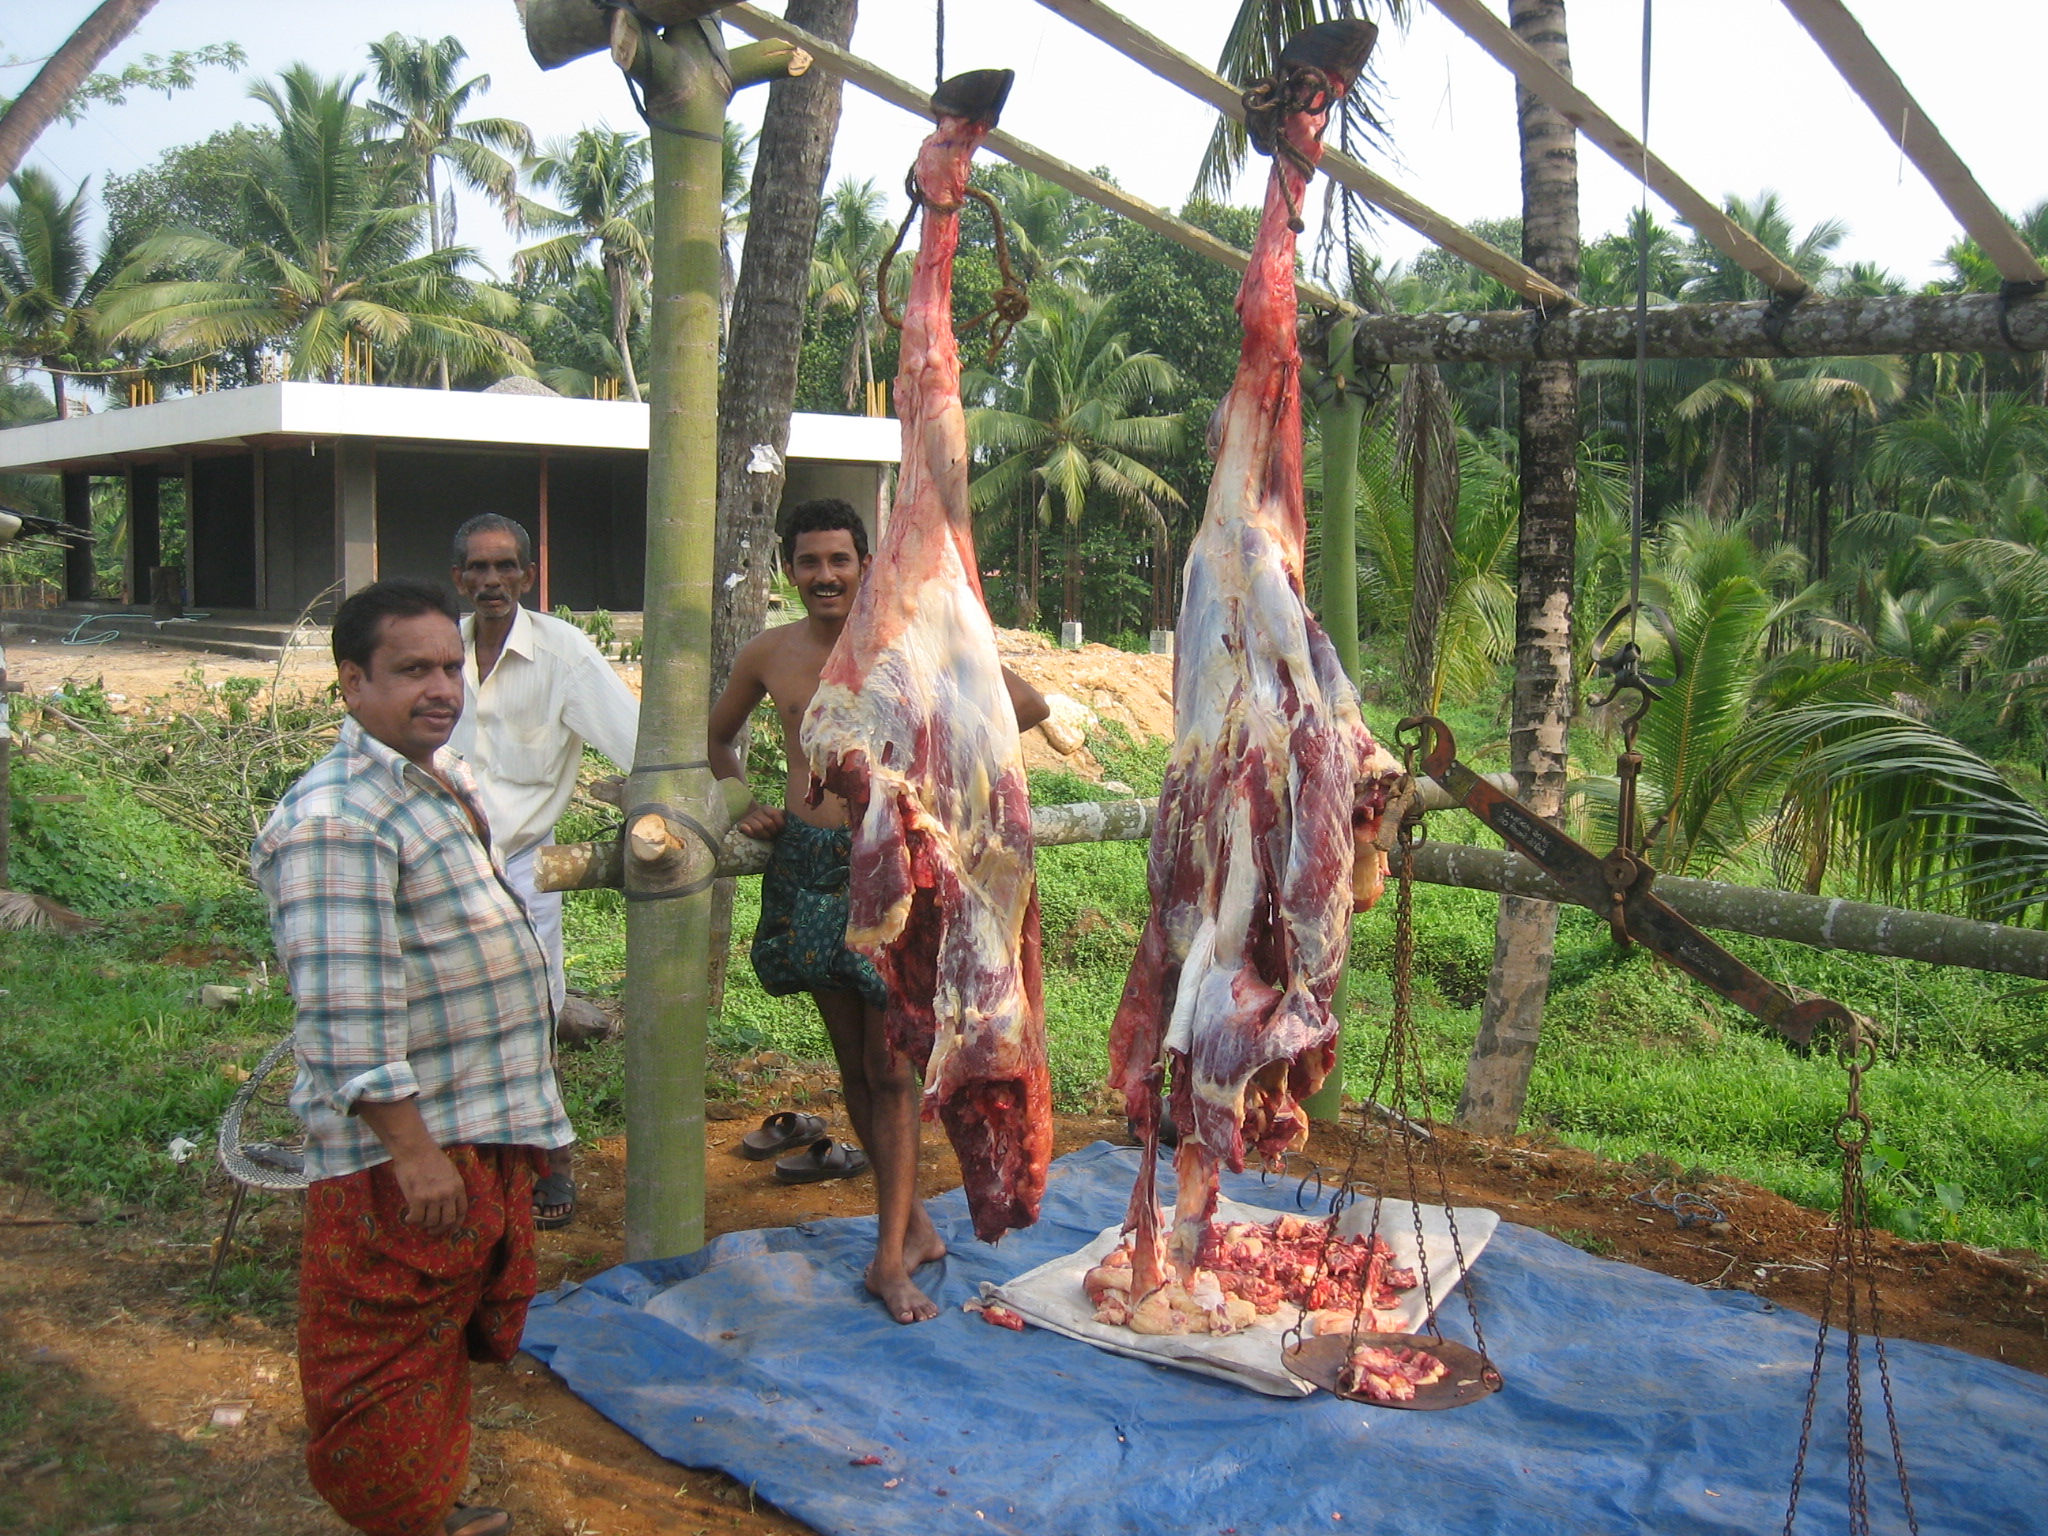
(1464, 1380)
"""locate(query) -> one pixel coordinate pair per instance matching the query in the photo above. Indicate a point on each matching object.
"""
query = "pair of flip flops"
(813, 1155)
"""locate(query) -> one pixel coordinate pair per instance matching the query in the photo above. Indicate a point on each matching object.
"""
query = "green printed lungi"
(800, 945)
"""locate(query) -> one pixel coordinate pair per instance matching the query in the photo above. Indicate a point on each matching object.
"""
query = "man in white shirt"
(536, 691)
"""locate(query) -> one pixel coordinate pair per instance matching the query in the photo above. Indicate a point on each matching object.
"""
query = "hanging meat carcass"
(913, 726)
(1263, 844)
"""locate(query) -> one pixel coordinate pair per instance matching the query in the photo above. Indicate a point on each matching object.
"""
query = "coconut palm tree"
(1475, 624)
(1054, 234)
(600, 176)
(1716, 277)
(335, 255)
(736, 188)
(852, 240)
(1952, 457)
(48, 280)
(1060, 435)
(420, 103)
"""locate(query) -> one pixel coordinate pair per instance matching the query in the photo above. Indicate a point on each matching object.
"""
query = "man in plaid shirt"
(426, 1081)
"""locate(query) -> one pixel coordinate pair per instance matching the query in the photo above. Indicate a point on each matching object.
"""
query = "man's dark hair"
(822, 516)
(491, 522)
(357, 621)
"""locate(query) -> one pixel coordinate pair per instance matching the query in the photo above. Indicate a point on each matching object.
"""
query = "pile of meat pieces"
(1387, 1375)
(1243, 1271)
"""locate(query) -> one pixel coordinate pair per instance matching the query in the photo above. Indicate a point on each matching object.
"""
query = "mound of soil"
(1086, 686)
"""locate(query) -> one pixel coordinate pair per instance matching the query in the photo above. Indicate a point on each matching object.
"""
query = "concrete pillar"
(145, 550)
(78, 567)
(260, 530)
(355, 514)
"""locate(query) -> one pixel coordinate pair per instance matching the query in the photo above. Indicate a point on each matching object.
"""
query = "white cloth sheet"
(1050, 1296)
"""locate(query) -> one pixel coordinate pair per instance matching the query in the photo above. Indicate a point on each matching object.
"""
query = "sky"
(1741, 101)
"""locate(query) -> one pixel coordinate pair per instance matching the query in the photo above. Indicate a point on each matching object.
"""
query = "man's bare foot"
(922, 1243)
(906, 1303)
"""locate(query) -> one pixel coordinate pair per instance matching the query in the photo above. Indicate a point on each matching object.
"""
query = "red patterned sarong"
(389, 1319)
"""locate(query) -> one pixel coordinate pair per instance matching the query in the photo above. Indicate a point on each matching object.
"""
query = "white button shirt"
(523, 728)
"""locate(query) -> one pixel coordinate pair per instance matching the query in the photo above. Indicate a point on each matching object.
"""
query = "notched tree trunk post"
(1497, 1075)
(687, 77)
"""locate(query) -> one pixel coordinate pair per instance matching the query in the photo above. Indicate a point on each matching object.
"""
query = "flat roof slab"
(227, 419)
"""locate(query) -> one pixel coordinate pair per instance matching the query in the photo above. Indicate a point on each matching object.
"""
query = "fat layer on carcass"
(913, 726)
(1273, 794)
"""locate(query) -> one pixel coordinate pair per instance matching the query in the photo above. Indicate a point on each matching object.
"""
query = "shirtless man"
(801, 943)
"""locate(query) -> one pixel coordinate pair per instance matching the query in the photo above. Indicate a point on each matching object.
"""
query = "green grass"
(110, 1057)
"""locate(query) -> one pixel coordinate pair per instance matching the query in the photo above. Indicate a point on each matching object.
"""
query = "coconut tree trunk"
(767, 330)
(1162, 567)
(620, 280)
(1025, 615)
(764, 336)
(1497, 1077)
(1070, 596)
(439, 237)
(59, 79)
(667, 869)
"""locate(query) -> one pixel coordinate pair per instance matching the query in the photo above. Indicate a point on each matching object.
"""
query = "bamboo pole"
(1849, 48)
(878, 82)
(675, 807)
(1887, 326)
(1556, 90)
(1176, 68)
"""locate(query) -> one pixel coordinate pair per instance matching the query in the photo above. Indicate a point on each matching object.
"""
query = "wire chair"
(259, 1161)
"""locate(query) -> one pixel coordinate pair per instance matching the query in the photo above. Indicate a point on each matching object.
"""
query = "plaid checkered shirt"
(414, 966)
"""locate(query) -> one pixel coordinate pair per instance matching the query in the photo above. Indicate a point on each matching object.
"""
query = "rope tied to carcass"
(1009, 304)
(1267, 103)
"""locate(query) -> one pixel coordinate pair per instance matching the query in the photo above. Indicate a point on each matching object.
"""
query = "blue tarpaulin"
(1634, 1402)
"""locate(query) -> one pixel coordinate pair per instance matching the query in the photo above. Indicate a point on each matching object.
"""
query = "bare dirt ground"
(113, 1364)
(120, 1368)
(1096, 682)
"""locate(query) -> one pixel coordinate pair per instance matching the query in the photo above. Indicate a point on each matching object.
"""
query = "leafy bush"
(105, 852)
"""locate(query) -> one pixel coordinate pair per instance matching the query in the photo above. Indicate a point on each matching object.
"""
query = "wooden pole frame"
(1176, 68)
(1877, 326)
(1849, 48)
(898, 92)
(1580, 110)
(1820, 922)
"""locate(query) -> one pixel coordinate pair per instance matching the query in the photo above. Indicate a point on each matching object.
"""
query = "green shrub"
(105, 853)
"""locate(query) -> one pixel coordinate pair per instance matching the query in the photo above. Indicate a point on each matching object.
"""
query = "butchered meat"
(913, 725)
(1274, 785)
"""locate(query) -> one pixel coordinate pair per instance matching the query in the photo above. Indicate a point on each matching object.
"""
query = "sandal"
(822, 1159)
(779, 1133)
(472, 1520)
(553, 1190)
